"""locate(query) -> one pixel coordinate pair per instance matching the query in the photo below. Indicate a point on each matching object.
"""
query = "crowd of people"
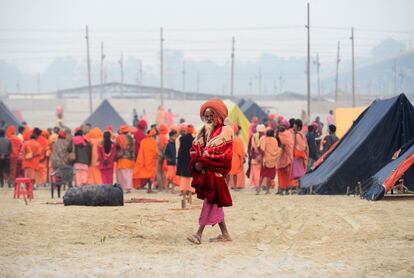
(157, 157)
(286, 149)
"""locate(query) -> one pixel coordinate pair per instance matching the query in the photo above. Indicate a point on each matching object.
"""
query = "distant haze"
(34, 33)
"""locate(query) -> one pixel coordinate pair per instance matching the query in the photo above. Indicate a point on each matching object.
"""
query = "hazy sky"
(34, 32)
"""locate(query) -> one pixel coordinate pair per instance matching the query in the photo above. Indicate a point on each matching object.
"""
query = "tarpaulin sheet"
(383, 128)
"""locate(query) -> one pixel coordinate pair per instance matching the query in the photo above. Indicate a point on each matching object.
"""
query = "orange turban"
(217, 105)
(271, 116)
(124, 129)
(94, 133)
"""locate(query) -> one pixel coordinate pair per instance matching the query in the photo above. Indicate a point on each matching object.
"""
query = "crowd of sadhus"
(157, 156)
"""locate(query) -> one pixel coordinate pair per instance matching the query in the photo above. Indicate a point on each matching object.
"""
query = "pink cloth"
(211, 214)
(124, 178)
(77, 140)
(107, 175)
(255, 174)
(81, 174)
(185, 184)
(330, 120)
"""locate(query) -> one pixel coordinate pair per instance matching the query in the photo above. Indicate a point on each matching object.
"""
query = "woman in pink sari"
(107, 153)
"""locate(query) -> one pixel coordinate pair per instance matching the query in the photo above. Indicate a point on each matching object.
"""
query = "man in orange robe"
(236, 175)
(147, 160)
(139, 135)
(160, 115)
(31, 151)
(284, 166)
(41, 171)
(94, 137)
(16, 145)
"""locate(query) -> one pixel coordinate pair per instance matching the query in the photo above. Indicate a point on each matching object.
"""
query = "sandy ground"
(296, 236)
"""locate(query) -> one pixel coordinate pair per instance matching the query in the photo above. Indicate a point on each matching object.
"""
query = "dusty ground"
(296, 236)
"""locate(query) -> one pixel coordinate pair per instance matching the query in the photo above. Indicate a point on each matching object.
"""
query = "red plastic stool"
(28, 188)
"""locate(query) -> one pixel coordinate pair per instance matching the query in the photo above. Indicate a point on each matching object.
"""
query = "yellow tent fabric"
(344, 118)
(236, 116)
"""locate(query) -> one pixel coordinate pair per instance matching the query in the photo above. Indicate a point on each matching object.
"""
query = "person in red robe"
(106, 156)
(16, 145)
(210, 163)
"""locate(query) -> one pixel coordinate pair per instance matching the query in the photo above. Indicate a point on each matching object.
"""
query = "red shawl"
(215, 156)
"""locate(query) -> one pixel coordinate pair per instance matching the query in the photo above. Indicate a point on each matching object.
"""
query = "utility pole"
(89, 69)
(198, 81)
(183, 72)
(102, 67)
(121, 64)
(308, 64)
(337, 71)
(318, 65)
(259, 76)
(250, 87)
(353, 67)
(232, 69)
(162, 65)
(394, 70)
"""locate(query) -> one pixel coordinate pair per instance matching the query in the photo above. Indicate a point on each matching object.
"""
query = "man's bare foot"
(220, 238)
(196, 239)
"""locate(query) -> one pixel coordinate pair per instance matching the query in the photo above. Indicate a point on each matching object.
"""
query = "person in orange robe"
(41, 171)
(147, 160)
(235, 179)
(16, 145)
(94, 137)
(169, 118)
(160, 115)
(300, 152)
(125, 145)
(271, 152)
(31, 152)
(139, 135)
(284, 166)
(162, 163)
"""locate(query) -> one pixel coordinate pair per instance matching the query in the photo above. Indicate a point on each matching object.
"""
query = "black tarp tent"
(105, 115)
(251, 109)
(7, 116)
(403, 167)
(383, 128)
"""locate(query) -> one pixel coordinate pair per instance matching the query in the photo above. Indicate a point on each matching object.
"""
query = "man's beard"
(209, 127)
